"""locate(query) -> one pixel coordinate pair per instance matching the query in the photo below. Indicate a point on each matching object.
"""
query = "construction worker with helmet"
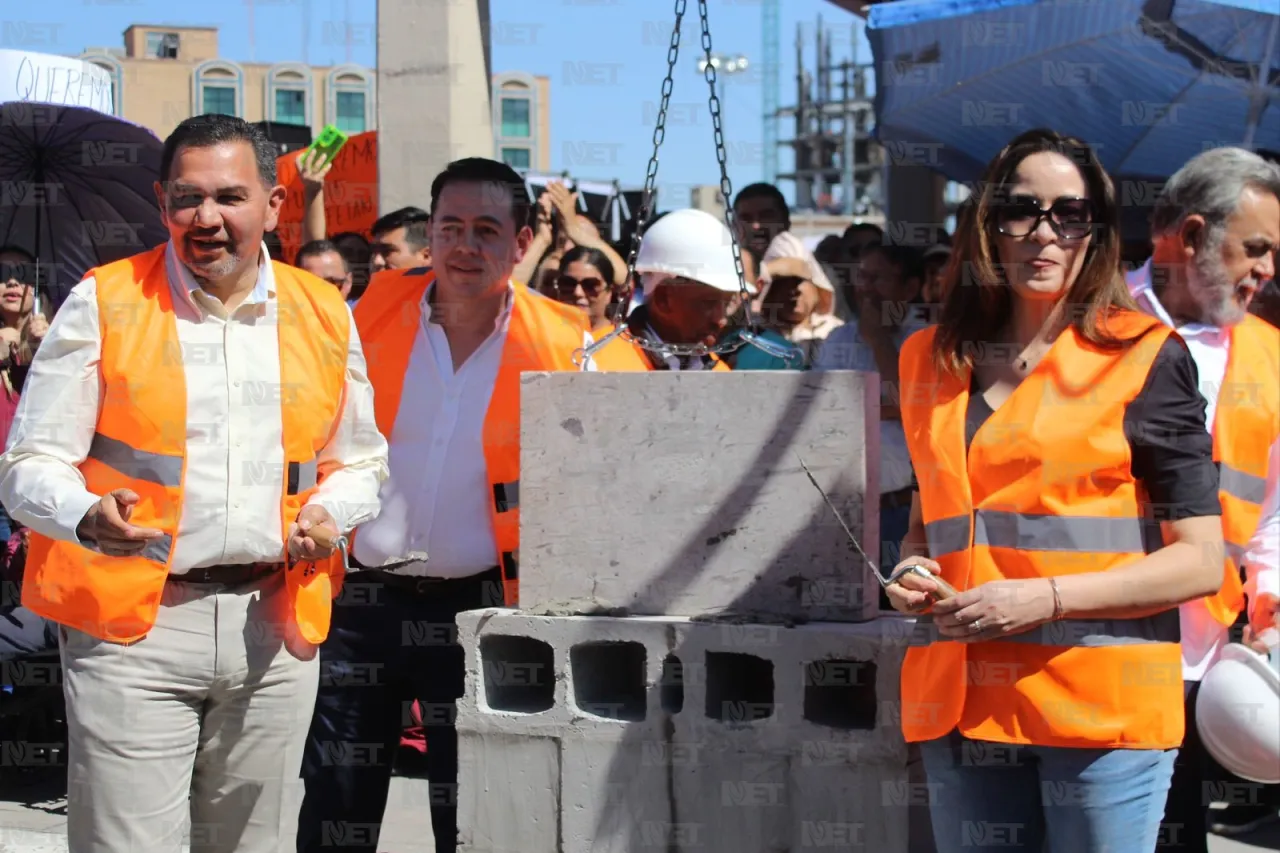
(687, 288)
(1215, 231)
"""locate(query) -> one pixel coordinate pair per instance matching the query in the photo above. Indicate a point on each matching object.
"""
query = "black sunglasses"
(21, 272)
(590, 286)
(1020, 215)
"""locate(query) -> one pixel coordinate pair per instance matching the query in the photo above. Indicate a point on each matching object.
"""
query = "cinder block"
(506, 767)
(679, 735)
(681, 494)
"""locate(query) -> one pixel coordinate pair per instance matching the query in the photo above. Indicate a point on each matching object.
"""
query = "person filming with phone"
(1051, 426)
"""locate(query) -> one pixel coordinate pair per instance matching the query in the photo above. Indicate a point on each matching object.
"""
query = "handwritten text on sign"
(350, 192)
(42, 78)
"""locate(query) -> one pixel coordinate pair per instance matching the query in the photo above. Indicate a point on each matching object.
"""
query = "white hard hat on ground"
(1238, 713)
(690, 244)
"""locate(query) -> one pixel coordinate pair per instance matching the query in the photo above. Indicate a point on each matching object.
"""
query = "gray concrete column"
(433, 93)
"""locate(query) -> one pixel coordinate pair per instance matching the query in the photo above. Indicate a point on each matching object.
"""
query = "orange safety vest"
(1245, 426)
(620, 356)
(1045, 489)
(542, 335)
(140, 444)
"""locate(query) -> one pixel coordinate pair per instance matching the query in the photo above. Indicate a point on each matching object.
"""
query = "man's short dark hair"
(863, 228)
(481, 170)
(213, 129)
(763, 190)
(413, 220)
(319, 247)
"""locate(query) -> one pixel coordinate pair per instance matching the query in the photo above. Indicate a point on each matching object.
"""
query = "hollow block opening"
(739, 687)
(609, 679)
(840, 694)
(671, 685)
(518, 672)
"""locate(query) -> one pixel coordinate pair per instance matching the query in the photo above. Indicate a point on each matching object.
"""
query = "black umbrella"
(75, 191)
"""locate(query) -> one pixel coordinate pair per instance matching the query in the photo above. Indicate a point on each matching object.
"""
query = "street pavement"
(33, 820)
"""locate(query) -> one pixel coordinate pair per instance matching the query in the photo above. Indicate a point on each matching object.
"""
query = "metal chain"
(726, 187)
(746, 334)
(730, 342)
(659, 134)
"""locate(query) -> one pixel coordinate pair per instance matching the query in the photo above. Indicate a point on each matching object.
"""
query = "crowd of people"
(235, 480)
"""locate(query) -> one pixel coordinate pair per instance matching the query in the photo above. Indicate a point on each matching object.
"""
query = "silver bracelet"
(1057, 599)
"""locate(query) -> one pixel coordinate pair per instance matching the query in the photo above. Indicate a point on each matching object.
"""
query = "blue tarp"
(1150, 83)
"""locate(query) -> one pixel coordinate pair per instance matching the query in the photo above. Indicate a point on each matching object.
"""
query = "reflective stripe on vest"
(542, 335)
(158, 468)
(1242, 485)
(1027, 532)
(1245, 426)
(140, 444)
(1045, 489)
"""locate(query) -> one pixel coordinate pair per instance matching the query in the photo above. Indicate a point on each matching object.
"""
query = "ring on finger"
(975, 626)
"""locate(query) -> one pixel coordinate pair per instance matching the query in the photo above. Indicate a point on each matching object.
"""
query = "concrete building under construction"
(838, 164)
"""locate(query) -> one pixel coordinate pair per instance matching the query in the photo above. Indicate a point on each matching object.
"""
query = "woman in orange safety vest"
(1046, 696)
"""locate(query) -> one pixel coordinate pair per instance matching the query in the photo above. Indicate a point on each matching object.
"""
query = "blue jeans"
(1045, 799)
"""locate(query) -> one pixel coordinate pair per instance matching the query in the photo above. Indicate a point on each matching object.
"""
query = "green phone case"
(328, 143)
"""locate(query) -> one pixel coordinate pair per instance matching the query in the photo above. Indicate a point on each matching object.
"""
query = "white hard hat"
(691, 244)
(1238, 713)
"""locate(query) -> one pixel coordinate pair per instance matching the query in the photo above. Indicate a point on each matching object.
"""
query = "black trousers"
(389, 645)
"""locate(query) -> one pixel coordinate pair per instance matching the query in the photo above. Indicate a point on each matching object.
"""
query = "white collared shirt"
(437, 498)
(231, 508)
(1203, 636)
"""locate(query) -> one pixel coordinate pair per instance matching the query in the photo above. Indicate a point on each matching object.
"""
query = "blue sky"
(606, 60)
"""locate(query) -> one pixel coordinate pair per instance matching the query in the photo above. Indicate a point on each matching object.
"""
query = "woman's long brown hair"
(978, 300)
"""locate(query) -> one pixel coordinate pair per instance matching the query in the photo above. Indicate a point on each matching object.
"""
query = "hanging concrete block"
(681, 493)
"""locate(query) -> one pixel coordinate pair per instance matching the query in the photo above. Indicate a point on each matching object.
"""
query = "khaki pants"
(209, 706)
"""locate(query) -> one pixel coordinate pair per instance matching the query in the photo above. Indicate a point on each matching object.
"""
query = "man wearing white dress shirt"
(1215, 231)
(446, 348)
(195, 411)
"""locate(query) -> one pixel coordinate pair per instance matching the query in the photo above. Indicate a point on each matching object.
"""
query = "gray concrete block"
(681, 494)
(503, 767)
(771, 738)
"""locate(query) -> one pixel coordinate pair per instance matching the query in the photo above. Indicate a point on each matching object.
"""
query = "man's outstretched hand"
(106, 524)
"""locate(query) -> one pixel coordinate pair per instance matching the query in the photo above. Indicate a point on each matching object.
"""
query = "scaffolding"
(838, 164)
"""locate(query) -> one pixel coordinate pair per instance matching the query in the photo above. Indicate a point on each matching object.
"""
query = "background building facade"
(164, 74)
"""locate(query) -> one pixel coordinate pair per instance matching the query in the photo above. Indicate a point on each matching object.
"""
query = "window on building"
(219, 99)
(350, 108)
(515, 117)
(516, 158)
(162, 45)
(291, 106)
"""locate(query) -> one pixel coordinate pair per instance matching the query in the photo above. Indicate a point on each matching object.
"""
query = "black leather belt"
(413, 583)
(234, 574)
(894, 500)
